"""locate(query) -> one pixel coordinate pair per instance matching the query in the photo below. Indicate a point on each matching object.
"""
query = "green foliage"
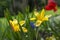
(6, 32)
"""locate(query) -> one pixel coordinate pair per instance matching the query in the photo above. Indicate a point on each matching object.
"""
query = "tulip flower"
(14, 25)
(41, 18)
(52, 5)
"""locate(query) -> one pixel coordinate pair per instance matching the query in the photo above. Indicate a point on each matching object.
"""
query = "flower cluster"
(40, 18)
(16, 27)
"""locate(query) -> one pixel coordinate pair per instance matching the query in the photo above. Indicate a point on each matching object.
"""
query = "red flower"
(51, 6)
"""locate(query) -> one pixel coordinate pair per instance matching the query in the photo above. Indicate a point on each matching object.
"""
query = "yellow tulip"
(24, 29)
(22, 22)
(41, 17)
(15, 25)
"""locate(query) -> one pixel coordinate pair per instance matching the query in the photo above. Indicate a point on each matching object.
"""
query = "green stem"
(37, 34)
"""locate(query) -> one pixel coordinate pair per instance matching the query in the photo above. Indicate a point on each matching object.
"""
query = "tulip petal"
(32, 19)
(22, 22)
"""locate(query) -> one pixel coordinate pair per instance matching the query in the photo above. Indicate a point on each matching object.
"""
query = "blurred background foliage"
(20, 5)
